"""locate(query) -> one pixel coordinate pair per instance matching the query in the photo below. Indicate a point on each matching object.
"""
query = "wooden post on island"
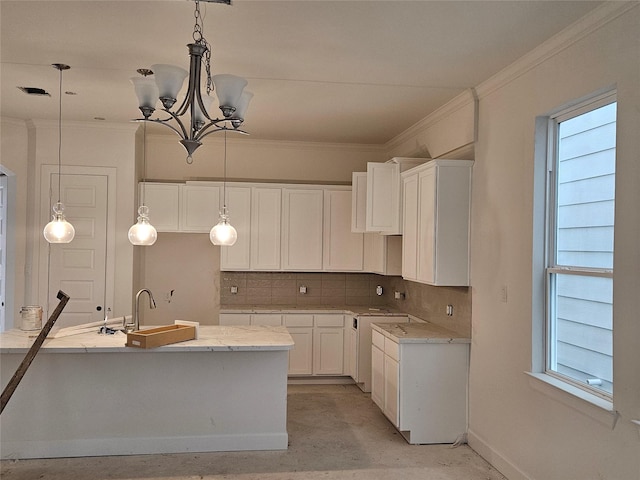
(33, 351)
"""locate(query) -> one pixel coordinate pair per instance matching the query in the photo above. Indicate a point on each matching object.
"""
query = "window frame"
(551, 267)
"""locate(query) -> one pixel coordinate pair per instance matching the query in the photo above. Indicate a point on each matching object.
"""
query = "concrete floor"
(335, 432)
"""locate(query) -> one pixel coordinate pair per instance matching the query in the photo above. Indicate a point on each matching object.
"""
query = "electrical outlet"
(303, 289)
(234, 290)
(503, 294)
(450, 310)
(379, 290)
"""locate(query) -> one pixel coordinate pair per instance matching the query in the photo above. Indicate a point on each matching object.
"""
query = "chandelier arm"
(220, 129)
(164, 123)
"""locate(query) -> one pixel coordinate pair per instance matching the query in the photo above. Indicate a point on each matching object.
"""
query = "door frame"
(45, 215)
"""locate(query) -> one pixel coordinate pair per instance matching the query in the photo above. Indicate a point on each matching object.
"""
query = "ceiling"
(321, 71)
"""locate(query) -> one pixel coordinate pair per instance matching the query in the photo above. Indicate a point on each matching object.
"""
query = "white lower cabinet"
(271, 319)
(319, 344)
(421, 387)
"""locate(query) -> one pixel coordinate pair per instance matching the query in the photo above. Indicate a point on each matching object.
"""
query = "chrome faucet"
(136, 314)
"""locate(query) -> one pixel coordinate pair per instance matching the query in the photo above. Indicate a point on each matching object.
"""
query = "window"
(579, 249)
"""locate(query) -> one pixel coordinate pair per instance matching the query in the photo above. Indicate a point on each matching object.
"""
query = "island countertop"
(210, 338)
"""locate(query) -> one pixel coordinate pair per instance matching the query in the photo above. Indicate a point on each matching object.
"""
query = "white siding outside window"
(580, 250)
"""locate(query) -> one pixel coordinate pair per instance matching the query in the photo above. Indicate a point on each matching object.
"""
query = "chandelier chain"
(60, 135)
(198, 37)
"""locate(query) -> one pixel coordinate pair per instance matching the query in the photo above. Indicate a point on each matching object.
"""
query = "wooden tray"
(156, 337)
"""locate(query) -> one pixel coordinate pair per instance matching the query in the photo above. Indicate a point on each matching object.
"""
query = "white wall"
(525, 431)
(13, 160)
(28, 146)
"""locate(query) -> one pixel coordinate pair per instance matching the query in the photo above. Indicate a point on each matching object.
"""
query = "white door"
(426, 226)
(266, 212)
(342, 249)
(78, 268)
(3, 248)
(410, 228)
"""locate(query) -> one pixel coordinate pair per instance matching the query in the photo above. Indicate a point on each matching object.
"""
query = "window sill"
(586, 403)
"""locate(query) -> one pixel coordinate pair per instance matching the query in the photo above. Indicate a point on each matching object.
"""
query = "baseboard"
(141, 446)
(324, 380)
(495, 458)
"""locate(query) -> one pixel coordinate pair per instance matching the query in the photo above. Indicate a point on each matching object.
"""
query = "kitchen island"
(90, 395)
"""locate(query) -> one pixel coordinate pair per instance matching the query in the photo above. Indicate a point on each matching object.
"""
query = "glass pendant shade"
(58, 230)
(223, 232)
(169, 79)
(243, 104)
(143, 233)
(199, 116)
(229, 89)
(146, 91)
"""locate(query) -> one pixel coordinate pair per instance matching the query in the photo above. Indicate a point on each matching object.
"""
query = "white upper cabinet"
(199, 207)
(382, 254)
(343, 250)
(237, 256)
(266, 214)
(302, 223)
(437, 201)
(163, 200)
(384, 194)
(359, 202)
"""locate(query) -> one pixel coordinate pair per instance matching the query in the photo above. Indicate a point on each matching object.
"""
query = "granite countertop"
(345, 309)
(211, 338)
(420, 332)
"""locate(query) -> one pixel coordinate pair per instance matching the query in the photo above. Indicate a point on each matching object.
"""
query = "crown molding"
(41, 123)
(279, 144)
(594, 20)
(465, 98)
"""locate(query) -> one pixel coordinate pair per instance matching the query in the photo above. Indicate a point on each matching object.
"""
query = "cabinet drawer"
(329, 320)
(297, 320)
(377, 339)
(270, 319)
(235, 319)
(392, 349)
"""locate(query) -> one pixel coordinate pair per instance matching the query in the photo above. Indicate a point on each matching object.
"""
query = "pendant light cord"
(60, 136)
(224, 178)
(144, 160)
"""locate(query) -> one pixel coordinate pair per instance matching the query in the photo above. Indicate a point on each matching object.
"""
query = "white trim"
(591, 22)
(576, 398)
(460, 101)
(497, 460)
(91, 447)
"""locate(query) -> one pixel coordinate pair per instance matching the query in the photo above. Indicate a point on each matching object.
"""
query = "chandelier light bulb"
(58, 230)
(223, 232)
(143, 233)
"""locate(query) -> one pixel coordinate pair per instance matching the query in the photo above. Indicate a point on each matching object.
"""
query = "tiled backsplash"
(283, 288)
(339, 289)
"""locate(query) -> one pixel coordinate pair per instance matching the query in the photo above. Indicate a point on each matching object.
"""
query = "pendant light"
(143, 233)
(223, 232)
(58, 230)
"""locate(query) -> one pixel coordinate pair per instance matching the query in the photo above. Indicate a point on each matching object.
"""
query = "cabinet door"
(351, 360)
(301, 356)
(374, 253)
(237, 256)
(342, 250)
(383, 198)
(163, 200)
(302, 229)
(328, 351)
(377, 375)
(265, 228)
(426, 226)
(359, 202)
(199, 207)
(391, 390)
(410, 227)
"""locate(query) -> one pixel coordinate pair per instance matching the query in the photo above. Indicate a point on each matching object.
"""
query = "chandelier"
(164, 82)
